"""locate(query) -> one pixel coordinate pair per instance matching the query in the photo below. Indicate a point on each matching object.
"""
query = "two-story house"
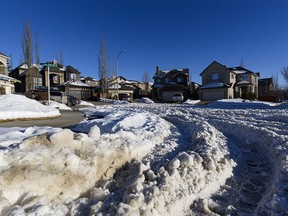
(221, 82)
(170, 82)
(6, 82)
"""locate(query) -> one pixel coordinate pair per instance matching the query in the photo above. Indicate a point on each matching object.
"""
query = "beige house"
(6, 82)
(221, 82)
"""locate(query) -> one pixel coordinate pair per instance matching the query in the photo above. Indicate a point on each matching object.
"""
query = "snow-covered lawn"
(225, 158)
(20, 107)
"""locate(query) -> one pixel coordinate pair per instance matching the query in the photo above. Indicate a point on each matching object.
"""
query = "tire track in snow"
(244, 192)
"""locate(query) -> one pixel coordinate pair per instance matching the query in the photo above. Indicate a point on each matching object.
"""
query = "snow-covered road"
(153, 159)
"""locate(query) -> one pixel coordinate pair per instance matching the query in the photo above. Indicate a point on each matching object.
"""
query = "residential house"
(221, 82)
(265, 86)
(29, 78)
(61, 77)
(89, 80)
(121, 86)
(145, 88)
(6, 82)
(170, 82)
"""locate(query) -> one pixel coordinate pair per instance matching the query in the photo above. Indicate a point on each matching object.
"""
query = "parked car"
(125, 97)
(178, 98)
(42, 95)
(72, 101)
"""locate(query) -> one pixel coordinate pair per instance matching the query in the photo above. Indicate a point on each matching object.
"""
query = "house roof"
(33, 71)
(53, 69)
(171, 73)
(8, 78)
(214, 85)
(70, 69)
(240, 70)
(244, 82)
(214, 62)
(4, 55)
(76, 83)
(265, 81)
(237, 70)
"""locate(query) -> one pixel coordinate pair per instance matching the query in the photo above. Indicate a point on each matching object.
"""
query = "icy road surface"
(151, 159)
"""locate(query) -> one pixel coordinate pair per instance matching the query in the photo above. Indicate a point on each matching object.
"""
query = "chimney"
(157, 70)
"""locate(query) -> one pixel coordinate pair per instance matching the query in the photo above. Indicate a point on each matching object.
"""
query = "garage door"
(168, 96)
(211, 96)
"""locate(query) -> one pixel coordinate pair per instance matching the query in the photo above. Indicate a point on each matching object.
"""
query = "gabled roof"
(70, 69)
(53, 69)
(33, 71)
(240, 70)
(171, 73)
(214, 62)
(214, 85)
(4, 55)
(265, 81)
(8, 78)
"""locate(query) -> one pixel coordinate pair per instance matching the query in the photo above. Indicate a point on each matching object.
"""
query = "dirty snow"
(151, 159)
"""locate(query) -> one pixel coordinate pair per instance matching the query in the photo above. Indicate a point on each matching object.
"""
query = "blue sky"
(171, 34)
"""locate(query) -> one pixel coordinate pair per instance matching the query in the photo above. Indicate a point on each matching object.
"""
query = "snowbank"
(191, 102)
(145, 100)
(20, 107)
(50, 167)
(110, 101)
(59, 106)
(150, 159)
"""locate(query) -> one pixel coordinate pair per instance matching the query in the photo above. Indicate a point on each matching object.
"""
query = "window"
(215, 76)
(245, 77)
(158, 81)
(232, 76)
(167, 80)
(180, 80)
(72, 76)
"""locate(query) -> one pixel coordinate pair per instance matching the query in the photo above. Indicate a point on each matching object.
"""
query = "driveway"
(67, 119)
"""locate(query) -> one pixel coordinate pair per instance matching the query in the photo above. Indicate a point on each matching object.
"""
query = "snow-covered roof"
(243, 82)
(240, 71)
(214, 85)
(7, 78)
(76, 83)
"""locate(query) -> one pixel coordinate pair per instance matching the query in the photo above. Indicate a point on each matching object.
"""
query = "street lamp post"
(117, 73)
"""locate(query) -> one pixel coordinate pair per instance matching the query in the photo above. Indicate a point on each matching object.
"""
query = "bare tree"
(284, 73)
(146, 80)
(145, 77)
(10, 63)
(61, 58)
(242, 63)
(103, 65)
(27, 54)
(275, 81)
(37, 51)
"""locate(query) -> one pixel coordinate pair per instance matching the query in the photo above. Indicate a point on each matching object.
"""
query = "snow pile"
(20, 107)
(191, 102)
(59, 106)
(50, 167)
(110, 101)
(150, 159)
(145, 100)
(85, 103)
(240, 104)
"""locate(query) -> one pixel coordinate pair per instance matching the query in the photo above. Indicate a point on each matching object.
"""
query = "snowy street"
(225, 158)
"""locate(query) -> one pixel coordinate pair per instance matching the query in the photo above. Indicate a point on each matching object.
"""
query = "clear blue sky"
(171, 34)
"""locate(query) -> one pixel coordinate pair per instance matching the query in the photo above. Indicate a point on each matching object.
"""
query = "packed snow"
(151, 159)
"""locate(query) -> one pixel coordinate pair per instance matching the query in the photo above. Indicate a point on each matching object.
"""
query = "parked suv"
(72, 101)
(178, 98)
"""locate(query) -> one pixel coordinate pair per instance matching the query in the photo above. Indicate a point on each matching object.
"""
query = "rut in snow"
(249, 186)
